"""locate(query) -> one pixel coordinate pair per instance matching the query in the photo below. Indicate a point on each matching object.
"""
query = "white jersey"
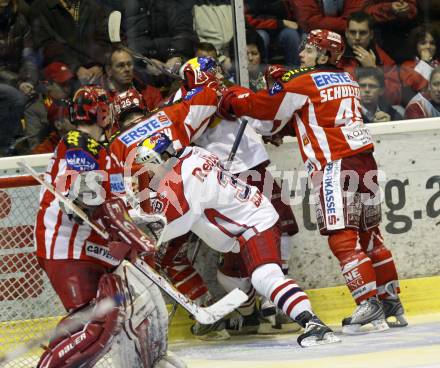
(219, 137)
(197, 195)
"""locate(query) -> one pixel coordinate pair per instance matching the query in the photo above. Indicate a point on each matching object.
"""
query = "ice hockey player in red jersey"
(80, 264)
(195, 194)
(184, 120)
(322, 104)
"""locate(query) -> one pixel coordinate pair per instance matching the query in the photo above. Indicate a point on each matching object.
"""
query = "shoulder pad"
(192, 93)
(293, 73)
(80, 140)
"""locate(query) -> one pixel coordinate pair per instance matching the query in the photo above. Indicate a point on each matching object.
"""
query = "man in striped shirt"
(322, 104)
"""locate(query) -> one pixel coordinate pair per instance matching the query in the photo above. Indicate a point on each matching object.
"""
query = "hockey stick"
(90, 313)
(243, 123)
(204, 315)
(68, 202)
(114, 33)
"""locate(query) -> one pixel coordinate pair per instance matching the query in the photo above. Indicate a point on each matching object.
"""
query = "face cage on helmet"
(320, 51)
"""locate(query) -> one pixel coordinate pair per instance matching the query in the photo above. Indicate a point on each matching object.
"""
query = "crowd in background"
(48, 48)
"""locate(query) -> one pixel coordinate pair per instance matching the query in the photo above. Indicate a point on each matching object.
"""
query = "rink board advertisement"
(410, 168)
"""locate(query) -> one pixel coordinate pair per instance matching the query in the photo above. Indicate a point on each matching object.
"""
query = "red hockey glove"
(273, 73)
(224, 108)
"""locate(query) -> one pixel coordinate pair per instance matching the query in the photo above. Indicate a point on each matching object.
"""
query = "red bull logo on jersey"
(145, 128)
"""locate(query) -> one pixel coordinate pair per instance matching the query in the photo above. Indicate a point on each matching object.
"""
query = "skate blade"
(397, 321)
(374, 326)
(275, 329)
(329, 338)
(214, 336)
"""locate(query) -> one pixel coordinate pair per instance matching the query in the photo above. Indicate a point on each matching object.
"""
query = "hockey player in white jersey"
(195, 194)
(250, 164)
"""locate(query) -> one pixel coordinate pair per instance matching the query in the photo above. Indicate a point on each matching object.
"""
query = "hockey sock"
(356, 267)
(383, 263)
(269, 281)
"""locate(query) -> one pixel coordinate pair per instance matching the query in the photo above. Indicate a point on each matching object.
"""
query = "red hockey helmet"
(91, 105)
(129, 101)
(199, 72)
(329, 41)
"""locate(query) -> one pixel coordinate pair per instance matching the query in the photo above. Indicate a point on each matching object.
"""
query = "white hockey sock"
(229, 283)
(269, 281)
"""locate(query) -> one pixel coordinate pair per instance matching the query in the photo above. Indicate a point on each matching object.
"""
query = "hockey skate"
(274, 321)
(213, 332)
(238, 324)
(315, 332)
(393, 309)
(367, 317)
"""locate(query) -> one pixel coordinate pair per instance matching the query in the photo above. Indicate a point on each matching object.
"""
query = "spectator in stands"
(12, 104)
(161, 30)
(256, 67)
(121, 77)
(425, 56)
(17, 62)
(56, 86)
(213, 23)
(325, 14)
(394, 20)
(275, 22)
(426, 104)
(375, 107)
(58, 117)
(72, 32)
(204, 49)
(362, 51)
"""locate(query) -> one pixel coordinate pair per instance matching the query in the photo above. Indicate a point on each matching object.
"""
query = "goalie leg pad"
(87, 345)
(146, 322)
(382, 259)
(261, 249)
(356, 266)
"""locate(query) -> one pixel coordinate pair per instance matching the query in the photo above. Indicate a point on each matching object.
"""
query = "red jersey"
(57, 236)
(182, 122)
(323, 104)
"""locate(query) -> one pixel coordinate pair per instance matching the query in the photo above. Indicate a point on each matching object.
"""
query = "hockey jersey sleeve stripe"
(55, 234)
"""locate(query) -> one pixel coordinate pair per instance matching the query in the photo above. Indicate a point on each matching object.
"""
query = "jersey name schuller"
(334, 86)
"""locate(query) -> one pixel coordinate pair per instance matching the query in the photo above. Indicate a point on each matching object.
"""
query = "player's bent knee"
(265, 276)
(261, 249)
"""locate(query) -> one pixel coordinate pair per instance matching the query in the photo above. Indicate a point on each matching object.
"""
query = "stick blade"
(223, 307)
(114, 26)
